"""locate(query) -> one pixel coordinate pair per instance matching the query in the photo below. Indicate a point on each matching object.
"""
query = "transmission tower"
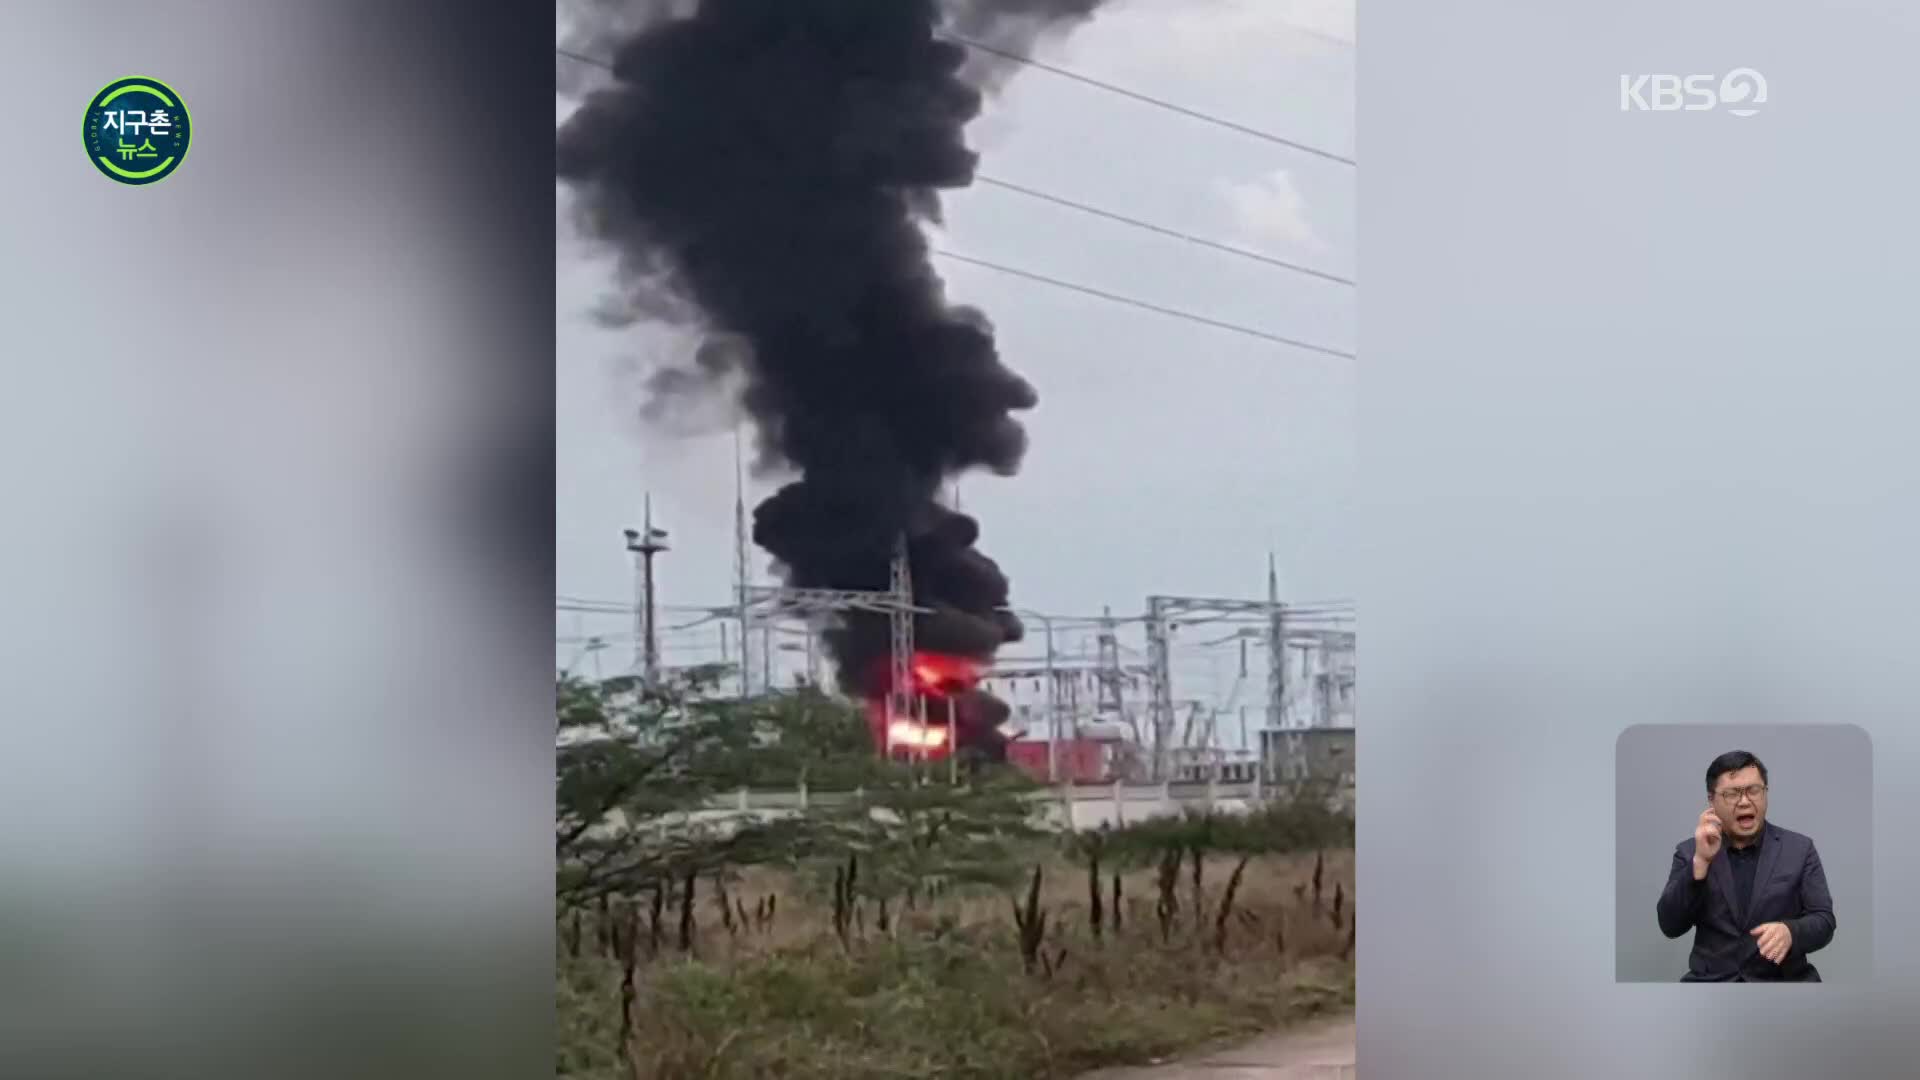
(1159, 684)
(1161, 614)
(741, 578)
(765, 604)
(1277, 673)
(900, 627)
(1109, 700)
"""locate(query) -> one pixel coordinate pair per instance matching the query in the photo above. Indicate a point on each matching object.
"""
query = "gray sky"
(1165, 456)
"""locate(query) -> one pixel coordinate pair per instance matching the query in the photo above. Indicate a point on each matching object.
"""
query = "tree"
(1296, 819)
(636, 770)
(913, 832)
(640, 770)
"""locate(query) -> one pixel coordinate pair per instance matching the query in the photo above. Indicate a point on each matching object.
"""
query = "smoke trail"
(770, 162)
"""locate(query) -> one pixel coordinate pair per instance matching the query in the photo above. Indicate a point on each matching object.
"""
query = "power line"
(583, 58)
(1145, 305)
(1071, 204)
(1061, 622)
(1161, 103)
(1117, 298)
(703, 641)
(625, 607)
(1308, 31)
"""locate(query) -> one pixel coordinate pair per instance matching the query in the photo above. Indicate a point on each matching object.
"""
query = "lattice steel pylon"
(1161, 612)
(900, 636)
(1159, 683)
(765, 604)
(1109, 699)
(742, 572)
(1277, 677)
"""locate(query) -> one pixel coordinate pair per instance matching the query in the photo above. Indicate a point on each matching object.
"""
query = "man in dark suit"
(1756, 908)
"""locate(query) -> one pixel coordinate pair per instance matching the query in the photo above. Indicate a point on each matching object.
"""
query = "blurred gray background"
(1636, 442)
(1820, 783)
(276, 451)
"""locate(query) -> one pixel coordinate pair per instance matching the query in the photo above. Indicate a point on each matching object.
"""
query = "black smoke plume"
(768, 163)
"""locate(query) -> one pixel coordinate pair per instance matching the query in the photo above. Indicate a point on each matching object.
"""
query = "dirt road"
(1317, 1051)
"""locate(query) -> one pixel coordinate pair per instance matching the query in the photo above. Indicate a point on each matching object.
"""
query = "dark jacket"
(1789, 886)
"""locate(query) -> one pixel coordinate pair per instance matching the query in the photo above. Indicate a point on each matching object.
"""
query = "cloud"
(1270, 212)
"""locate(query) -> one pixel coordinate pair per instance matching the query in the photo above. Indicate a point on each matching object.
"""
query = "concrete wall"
(1078, 806)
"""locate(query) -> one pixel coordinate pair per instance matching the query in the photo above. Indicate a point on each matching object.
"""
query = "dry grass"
(944, 991)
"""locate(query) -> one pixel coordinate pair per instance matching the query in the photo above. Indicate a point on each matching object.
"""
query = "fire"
(936, 678)
(942, 674)
(912, 735)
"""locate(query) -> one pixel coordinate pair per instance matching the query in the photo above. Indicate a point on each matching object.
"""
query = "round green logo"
(137, 131)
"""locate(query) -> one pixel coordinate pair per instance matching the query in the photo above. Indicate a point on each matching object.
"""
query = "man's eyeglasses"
(1732, 794)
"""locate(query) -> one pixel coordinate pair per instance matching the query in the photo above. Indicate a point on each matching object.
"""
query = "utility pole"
(645, 545)
(1053, 707)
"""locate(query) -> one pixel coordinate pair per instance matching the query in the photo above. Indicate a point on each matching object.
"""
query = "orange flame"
(912, 735)
(942, 673)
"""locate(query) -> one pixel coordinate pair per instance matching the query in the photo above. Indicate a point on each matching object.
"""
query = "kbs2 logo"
(1741, 92)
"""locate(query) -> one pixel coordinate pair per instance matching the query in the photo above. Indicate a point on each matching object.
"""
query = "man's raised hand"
(1706, 842)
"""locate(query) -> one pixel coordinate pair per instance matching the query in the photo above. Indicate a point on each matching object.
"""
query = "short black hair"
(1733, 761)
